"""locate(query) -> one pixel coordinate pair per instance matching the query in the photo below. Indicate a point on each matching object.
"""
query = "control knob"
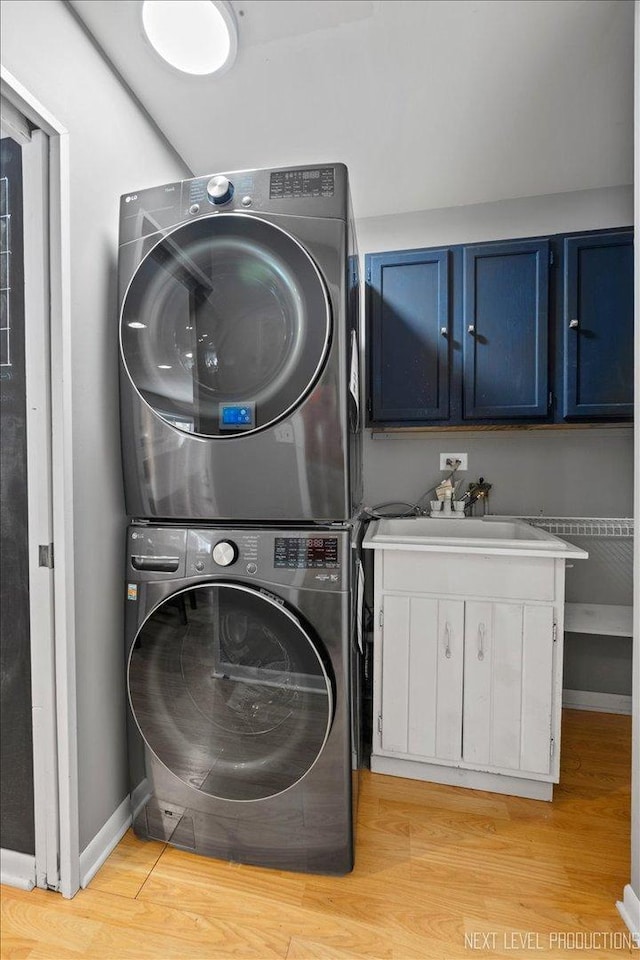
(225, 553)
(219, 190)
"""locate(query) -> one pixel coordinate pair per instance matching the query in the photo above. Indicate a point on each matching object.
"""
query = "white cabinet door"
(508, 686)
(422, 663)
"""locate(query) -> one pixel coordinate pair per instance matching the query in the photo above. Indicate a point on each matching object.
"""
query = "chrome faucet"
(478, 491)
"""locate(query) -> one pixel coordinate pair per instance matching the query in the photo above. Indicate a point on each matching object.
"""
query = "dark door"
(410, 335)
(16, 750)
(598, 326)
(505, 332)
(225, 326)
(230, 692)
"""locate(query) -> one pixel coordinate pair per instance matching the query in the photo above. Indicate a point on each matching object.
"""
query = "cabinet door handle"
(447, 641)
(443, 331)
(481, 633)
(471, 328)
(574, 324)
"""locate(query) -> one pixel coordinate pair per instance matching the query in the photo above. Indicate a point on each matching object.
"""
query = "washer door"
(225, 326)
(229, 692)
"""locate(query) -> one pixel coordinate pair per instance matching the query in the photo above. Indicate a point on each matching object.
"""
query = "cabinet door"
(508, 686)
(410, 336)
(598, 326)
(505, 333)
(422, 661)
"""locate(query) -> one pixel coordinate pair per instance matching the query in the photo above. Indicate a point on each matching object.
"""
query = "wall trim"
(59, 210)
(629, 910)
(17, 869)
(139, 797)
(539, 431)
(598, 702)
(97, 851)
(463, 777)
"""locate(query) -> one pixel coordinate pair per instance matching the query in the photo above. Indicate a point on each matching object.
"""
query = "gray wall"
(565, 473)
(113, 149)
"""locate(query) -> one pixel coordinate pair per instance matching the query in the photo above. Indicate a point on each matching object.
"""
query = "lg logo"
(132, 196)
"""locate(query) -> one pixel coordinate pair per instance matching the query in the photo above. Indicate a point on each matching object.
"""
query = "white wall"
(564, 473)
(113, 149)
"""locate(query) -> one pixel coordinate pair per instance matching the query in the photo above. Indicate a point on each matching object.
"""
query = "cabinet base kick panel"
(461, 777)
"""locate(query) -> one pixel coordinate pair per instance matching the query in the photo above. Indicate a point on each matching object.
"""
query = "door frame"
(51, 520)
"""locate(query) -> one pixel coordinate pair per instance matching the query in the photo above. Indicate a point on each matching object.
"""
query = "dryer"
(242, 680)
(239, 348)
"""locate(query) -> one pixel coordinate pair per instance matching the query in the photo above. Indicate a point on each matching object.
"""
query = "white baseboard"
(17, 869)
(629, 910)
(598, 702)
(139, 797)
(97, 851)
(459, 777)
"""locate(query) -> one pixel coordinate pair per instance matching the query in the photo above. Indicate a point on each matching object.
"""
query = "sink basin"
(489, 534)
(467, 529)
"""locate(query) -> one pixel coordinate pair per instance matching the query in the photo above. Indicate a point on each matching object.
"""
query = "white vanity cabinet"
(468, 662)
(419, 673)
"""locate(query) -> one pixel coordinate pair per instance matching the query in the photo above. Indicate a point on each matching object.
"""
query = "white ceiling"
(430, 103)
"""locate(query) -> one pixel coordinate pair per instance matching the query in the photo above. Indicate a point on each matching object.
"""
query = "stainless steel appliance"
(239, 348)
(243, 692)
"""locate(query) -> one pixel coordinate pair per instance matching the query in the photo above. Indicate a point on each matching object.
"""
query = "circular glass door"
(225, 326)
(229, 692)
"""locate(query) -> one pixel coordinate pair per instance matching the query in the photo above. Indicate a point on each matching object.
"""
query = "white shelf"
(607, 619)
(584, 526)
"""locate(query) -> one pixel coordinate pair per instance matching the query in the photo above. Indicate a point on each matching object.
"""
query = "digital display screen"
(238, 415)
(291, 184)
(306, 552)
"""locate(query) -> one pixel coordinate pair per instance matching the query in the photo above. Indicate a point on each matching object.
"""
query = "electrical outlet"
(448, 460)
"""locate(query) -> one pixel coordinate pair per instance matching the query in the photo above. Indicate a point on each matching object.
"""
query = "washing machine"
(242, 679)
(239, 348)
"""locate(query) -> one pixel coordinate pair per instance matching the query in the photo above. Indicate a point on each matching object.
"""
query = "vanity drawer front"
(469, 575)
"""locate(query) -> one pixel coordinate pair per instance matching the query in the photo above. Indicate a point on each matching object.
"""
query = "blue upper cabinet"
(505, 313)
(410, 336)
(535, 331)
(598, 326)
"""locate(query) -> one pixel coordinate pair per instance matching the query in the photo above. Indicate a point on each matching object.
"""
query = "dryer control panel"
(318, 190)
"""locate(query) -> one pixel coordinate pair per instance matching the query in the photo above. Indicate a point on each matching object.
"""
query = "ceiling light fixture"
(194, 36)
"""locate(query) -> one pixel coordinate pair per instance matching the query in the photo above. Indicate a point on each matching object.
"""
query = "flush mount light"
(194, 36)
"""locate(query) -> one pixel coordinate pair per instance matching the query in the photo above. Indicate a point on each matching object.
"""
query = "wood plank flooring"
(434, 864)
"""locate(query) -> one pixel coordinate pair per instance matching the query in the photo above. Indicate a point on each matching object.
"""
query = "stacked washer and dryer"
(242, 466)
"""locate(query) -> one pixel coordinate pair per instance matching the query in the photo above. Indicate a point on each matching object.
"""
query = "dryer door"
(230, 692)
(225, 326)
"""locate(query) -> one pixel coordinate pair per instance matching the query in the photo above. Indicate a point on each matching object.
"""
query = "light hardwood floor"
(434, 864)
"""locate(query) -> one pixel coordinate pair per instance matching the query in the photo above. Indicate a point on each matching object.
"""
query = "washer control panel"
(306, 552)
(303, 558)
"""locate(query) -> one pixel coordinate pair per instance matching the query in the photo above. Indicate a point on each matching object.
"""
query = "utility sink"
(501, 535)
